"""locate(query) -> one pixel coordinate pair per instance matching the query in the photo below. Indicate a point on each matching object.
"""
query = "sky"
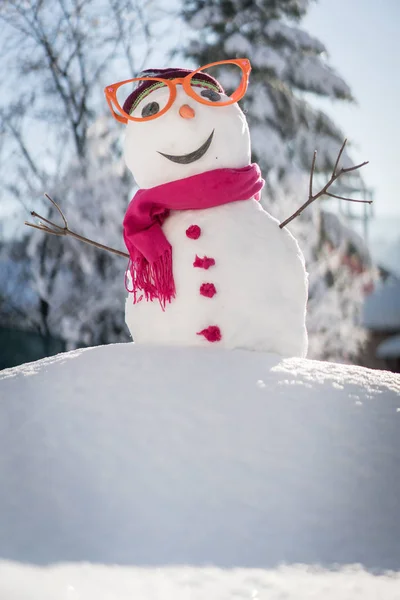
(362, 38)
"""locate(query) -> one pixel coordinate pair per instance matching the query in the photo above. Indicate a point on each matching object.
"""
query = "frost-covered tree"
(57, 286)
(289, 70)
(339, 269)
(340, 276)
(57, 56)
(287, 65)
(82, 285)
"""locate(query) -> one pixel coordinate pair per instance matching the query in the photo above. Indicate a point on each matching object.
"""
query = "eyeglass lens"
(228, 75)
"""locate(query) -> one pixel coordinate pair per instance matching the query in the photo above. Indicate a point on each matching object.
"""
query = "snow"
(204, 17)
(277, 30)
(100, 582)
(390, 348)
(307, 72)
(158, 472)
(262, 107)
(381, 309)
(261, 56)
(267, 142)
(238, 45)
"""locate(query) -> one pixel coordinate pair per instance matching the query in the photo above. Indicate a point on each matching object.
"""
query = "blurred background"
(322, 71)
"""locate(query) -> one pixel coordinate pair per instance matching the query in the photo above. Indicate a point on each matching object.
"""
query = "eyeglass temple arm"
(116, 116)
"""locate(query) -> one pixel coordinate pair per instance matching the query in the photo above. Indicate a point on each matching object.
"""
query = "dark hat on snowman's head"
(143, 88)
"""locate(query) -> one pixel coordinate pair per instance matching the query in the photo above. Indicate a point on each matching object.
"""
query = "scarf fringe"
(155, 280)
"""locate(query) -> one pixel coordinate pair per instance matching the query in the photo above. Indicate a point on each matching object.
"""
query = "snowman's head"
(181, 123)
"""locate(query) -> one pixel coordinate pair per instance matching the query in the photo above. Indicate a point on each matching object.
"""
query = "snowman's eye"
(150, 109)
(210, 95)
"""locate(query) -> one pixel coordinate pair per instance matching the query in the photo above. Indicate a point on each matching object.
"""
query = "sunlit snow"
(135, 472)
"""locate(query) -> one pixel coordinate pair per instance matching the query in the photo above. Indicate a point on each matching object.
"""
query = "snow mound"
(156, 457)
(100, 582)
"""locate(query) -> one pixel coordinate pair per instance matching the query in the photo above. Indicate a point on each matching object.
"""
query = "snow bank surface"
(198, 472)
(94, 582)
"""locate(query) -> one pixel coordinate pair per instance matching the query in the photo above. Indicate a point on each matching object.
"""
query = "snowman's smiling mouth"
(185, 159)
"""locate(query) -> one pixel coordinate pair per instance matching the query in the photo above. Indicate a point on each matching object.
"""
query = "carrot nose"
(186, 111)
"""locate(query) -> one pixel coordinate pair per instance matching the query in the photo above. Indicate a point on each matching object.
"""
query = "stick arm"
(324, 191)
(54, 229)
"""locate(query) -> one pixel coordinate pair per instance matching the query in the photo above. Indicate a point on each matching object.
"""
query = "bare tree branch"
(350, 199)
(8, 124)
(339, 157)
(125, 43)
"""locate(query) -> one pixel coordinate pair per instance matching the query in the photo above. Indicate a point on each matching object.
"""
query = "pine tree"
(289, 69)
(286, 63)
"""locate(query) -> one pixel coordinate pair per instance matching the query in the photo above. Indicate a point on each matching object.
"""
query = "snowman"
(208, 265)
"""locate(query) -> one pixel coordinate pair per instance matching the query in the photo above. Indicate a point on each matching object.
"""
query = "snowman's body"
(255, 291)
(258, 270)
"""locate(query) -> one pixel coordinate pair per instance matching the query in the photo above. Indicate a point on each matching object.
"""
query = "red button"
(212, 333)
(203, 263)
(208, 290)
(193, 232)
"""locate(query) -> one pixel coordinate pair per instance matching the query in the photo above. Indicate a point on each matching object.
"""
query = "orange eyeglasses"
(233, 73)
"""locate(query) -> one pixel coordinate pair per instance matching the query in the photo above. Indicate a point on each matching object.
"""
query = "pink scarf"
(150, 252)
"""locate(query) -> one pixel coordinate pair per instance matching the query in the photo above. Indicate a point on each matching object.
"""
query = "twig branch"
(312, 174)
(55, 229)
(324, 191)
(339, 156)
(351, 199)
